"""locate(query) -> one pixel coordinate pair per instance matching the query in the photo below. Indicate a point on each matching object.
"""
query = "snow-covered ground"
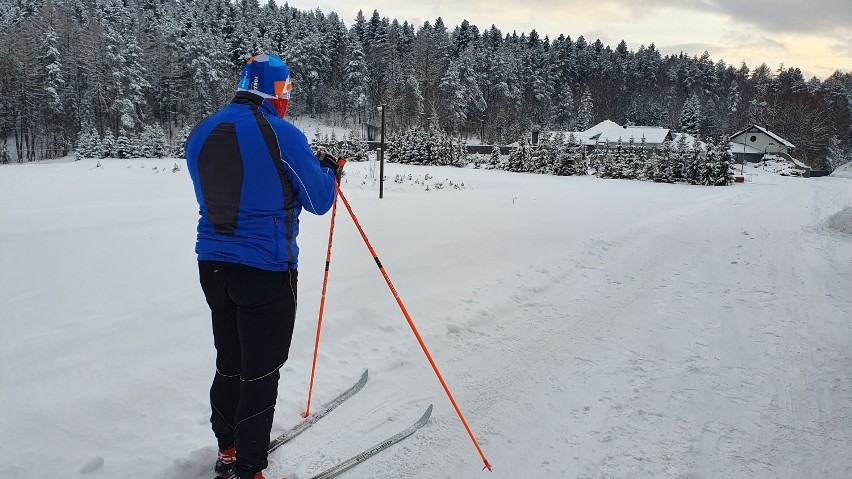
(844, 171)
(588, 328)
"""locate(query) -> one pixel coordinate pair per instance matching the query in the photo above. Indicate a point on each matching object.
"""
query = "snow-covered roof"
(767, 133)
(690, 140)
(600, 128)
(609, 131)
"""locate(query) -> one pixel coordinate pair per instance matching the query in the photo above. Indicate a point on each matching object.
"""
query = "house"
(610, 132)
(752, 143)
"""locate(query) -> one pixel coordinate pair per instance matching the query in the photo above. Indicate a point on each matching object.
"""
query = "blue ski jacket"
(253, 173)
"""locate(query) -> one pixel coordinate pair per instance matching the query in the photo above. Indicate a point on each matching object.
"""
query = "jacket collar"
(255, 101)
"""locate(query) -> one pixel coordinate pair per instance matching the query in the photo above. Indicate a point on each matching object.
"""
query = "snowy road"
(588, 328)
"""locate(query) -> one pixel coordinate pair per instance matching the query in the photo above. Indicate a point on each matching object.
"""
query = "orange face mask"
(282, 93)
(280, 105)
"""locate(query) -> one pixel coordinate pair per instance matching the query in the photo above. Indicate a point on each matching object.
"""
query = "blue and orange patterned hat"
(267, 76)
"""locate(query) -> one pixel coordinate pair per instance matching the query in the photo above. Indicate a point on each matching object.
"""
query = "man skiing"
(253, 173)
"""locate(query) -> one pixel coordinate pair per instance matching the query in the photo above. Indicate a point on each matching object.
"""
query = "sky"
(811, 35)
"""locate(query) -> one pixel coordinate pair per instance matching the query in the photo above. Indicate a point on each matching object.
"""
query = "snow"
(588, 328)
(843, 171)
(842, 220)
(780, 165)
(611, 132)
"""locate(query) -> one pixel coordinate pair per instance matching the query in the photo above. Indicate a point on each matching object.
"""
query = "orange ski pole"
(340, 163)
(414, 329)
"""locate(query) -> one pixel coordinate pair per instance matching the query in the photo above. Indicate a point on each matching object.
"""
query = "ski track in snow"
(587, 328)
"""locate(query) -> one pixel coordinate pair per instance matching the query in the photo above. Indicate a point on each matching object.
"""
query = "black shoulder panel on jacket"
(271, 141)
(220, 170)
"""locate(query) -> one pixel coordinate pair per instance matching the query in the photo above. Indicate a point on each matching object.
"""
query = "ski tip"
(425, 417)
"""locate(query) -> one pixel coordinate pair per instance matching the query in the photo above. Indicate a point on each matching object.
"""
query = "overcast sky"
(814, 35)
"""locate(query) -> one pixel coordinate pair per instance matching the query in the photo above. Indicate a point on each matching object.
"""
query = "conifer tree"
(690, 118)
(680, 159)
(107, 146)
(694, 164)
(724, 170)
(664, 164)
(494, 159)
(640, 160)
(518, 156)
(709, 165)
(584, 115)
(122, 146)
(628, 169)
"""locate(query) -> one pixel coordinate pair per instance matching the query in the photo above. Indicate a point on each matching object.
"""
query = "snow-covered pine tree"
(494, 159)
(88, 145)
(664, 163)
(153, 143)
(598, 159)
(709, 166)
(680, 159)
(628, 168)
(584, 114)
(640, 160)
(616, 164)
(179, 147)
(649, 168)
(107, 146)
(835, 156)
(690, 117)
(575, 152)
(461, 159)
(126, 82)
(563, 165)
(581, 160)
(563, 112)
(518, 156)
(695, 161)
(724, 170)
(122, 145)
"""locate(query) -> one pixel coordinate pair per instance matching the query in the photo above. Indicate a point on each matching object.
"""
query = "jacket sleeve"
(314, 185)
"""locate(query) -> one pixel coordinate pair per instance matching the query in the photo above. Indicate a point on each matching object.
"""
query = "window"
(752, 139)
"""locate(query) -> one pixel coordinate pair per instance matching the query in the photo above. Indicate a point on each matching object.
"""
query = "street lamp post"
(382, 156)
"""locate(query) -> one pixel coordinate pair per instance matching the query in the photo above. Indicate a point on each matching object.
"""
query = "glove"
(327, 161)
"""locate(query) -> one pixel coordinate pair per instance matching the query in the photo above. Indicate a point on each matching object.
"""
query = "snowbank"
(844, 171)
(780, 166)
(842, 220)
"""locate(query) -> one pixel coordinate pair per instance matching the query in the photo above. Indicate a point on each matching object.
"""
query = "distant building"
(610, 132)
(752, 143)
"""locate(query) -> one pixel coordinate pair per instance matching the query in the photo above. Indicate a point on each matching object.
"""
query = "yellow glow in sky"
(818, 45)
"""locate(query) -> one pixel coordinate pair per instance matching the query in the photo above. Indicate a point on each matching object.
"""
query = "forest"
(78, 74)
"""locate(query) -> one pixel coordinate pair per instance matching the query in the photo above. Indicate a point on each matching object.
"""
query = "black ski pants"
(253, 313)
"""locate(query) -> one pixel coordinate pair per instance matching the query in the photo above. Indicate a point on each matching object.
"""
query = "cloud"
(772, 15)
(812, 35)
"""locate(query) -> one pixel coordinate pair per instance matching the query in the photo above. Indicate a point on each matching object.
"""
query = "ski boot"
(225, 462)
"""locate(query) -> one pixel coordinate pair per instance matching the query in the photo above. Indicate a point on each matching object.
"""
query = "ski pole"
(340, 163)
(414, 328)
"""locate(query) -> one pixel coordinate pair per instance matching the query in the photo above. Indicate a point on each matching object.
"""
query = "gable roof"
(609, 131)
(760, 129)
